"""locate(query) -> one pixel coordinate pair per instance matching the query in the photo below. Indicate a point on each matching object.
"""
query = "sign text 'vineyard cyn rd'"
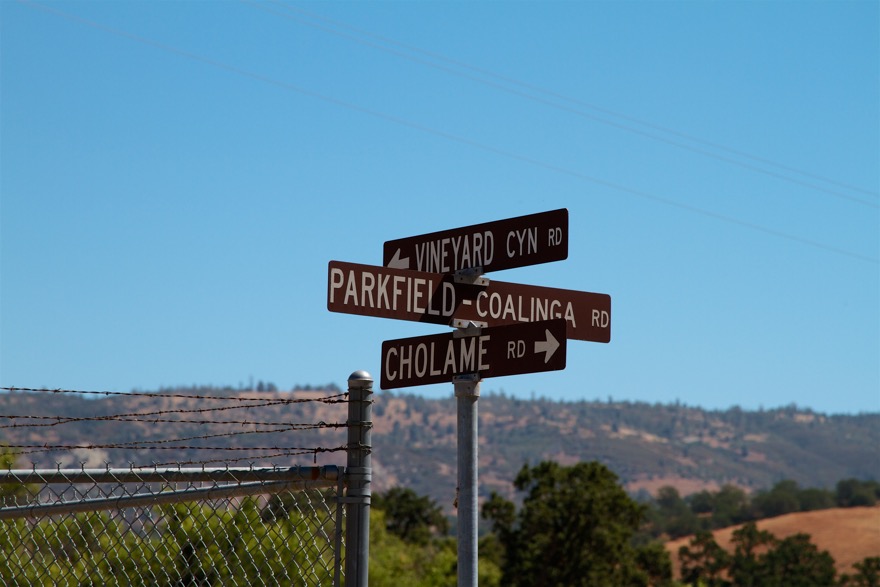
(491, 246)
(418, 296)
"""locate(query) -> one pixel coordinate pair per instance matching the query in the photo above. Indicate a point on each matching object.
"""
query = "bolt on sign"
(491, 246)
(435, 298)
(492, 352)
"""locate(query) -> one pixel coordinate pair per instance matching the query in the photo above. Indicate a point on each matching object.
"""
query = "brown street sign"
(503, 244)
(417, 296)
(494, 352)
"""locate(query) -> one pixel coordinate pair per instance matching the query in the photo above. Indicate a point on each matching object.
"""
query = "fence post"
(359, 475)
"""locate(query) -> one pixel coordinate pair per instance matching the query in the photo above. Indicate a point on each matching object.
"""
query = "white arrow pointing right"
(548, 346)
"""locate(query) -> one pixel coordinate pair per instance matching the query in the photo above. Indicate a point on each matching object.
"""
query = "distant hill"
(850, 534)
(647, 445)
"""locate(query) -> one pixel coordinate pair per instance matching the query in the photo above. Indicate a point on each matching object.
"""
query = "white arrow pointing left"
(397, 263)
(548, 346)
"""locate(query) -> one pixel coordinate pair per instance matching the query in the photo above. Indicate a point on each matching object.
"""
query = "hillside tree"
(575, 527)
(414, 518)
(759, 560)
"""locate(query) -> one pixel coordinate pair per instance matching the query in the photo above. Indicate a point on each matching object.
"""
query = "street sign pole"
(464, 357)
(467, 393)
(502, 328)
(359, 473)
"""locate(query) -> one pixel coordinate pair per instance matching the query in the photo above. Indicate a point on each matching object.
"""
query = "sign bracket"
(471, 276)
(467, 328)
(467, 385)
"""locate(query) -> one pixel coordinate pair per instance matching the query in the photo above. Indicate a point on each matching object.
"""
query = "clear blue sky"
(177, 175)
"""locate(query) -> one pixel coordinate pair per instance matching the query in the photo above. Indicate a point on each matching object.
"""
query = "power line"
(555, 95)
(453, 137)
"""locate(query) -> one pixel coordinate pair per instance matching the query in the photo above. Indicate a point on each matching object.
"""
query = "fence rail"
(171, 527)
(238, 483)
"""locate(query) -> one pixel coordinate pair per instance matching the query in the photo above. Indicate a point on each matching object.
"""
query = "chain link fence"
(176, 527)
(166, 525)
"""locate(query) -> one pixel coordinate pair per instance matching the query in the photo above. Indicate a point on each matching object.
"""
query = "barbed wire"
(210, 461)
(123, 418)
(152, 417)
(330, 399)
(166, 416)
(150, 443)
(281, 453)
(228, 460)
(114, 417)
(42, 448)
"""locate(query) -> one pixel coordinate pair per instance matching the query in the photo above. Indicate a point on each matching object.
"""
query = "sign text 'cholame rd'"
(502, 350)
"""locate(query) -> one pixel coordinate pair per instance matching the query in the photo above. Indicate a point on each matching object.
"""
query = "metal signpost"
(502, 328)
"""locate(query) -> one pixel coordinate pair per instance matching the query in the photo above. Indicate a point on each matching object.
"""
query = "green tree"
(702, 502)
(704, 562)
(867, 574)
(13, 493)
(394, 562)
(730, 506)
(746, 568)
(672, 515)
(797, 562)
(654, 560)
(759, 560)
(415, 519)
(816, 499)
(762, 560)
(574, 528)
(853, 493)
(782, 499)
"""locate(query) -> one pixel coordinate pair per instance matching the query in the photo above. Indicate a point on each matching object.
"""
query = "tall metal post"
(359, 474)
(467, 391)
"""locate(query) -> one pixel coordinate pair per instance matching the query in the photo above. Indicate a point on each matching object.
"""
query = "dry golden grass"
(849, 534)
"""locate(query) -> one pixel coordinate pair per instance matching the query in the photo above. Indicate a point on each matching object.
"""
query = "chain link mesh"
(173, 528)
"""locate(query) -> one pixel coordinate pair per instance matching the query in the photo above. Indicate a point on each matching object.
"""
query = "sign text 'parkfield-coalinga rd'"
(492, 246)
(429, 297)
(501, 350)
